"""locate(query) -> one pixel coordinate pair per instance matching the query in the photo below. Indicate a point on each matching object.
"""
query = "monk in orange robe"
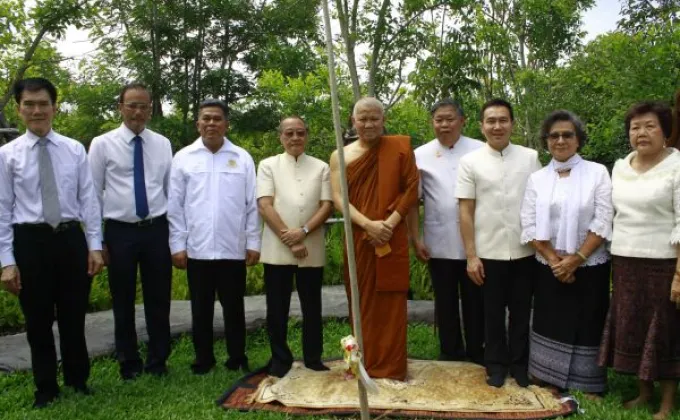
(382, 180)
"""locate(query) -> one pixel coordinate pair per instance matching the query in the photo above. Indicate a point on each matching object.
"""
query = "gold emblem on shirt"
(438, 154)
(231, 163)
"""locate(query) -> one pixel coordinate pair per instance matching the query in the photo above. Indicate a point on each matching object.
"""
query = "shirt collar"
(290, 158)
(34, 138)
(502, 153)
(227, 146)
(450, 148)
(128, 135)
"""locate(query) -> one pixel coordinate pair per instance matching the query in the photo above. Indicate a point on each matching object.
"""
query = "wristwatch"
(305, 229)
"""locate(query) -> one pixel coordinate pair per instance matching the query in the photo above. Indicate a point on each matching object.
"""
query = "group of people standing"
(554, 236)
(499, 232)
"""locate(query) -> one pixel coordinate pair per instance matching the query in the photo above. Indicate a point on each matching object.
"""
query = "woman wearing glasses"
(567, 217)
(642, 333)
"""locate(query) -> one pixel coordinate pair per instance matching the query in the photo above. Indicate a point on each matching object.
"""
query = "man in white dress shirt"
(46, 193)
(214, 232)
(294, 198)
(441, 246)
(131, 168)
(490, 189)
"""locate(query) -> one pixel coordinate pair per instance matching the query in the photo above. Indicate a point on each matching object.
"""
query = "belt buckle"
(60, 227)
(145, 222)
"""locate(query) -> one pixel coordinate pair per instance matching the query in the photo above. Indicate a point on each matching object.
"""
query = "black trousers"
(131, 246)
(54, 283)
(228, 279)
(508, 284)
(278, 280)
(447, 275)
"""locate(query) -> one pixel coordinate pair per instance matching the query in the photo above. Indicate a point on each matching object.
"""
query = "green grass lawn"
(182, 395)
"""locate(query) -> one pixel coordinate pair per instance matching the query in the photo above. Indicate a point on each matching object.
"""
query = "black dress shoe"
(278, 371)
(157, 371)
(43, 399)
(237, 364)
(83, 389)
(521, 378)
(497, 380)
(317, 366)
(201, 369)
(130, 375)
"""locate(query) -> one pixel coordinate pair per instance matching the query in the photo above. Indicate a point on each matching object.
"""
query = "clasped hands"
(564, 267)
(379, 232)
(293, 238)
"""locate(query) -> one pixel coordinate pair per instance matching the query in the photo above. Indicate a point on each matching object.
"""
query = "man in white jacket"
(214, 232)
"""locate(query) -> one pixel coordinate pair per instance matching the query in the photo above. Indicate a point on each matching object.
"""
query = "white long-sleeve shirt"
(212, 207)
(20, 197)
(111, 158)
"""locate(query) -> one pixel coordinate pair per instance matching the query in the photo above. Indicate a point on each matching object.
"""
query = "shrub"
(11, 317)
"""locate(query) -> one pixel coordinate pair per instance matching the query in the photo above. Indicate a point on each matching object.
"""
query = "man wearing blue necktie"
(46, 193)
(130, 167)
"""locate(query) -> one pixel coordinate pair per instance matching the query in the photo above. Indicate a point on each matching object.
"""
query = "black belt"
(44, 226)
(142, 223)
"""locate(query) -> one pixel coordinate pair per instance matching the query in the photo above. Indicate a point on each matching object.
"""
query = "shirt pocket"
(231, 181)
(67, 177)
(197, 177)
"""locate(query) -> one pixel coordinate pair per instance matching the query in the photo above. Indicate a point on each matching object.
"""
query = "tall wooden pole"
(349, 241)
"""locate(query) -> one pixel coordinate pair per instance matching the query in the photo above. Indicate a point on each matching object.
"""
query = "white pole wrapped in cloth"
(351, 261)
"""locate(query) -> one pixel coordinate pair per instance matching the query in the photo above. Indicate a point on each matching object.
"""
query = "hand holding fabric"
(378, 231)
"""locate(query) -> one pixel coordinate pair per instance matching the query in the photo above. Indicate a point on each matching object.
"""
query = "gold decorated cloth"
(431, 386)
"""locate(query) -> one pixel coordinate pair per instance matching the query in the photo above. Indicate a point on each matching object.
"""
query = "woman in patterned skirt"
(642, 332)
(567, 216)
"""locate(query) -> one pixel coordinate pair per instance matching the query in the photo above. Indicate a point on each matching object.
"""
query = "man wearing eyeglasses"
(131, 168)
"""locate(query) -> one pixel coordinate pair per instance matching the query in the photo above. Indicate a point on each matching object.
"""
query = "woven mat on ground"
(453, 390)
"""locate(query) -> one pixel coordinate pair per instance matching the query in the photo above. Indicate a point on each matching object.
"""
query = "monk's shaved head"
(368, 102)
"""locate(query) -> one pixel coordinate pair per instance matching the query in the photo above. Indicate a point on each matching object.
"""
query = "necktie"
(48, 186)
(141, 204)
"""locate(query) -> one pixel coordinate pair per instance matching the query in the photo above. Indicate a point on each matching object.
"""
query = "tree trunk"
(156, 105)
(198, 67)
(377, 44)
(349, 38)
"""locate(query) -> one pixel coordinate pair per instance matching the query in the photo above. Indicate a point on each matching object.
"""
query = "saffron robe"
(381, 181)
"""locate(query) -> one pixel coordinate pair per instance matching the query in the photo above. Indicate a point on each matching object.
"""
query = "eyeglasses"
(566, 135)
(135, 106)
